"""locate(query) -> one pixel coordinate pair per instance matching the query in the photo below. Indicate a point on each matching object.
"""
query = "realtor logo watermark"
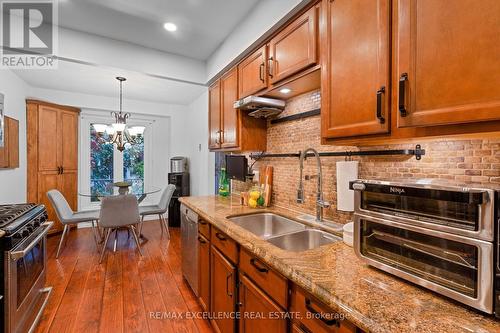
(29, 33)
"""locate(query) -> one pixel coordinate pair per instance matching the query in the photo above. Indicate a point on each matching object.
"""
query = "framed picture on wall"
(1, 121)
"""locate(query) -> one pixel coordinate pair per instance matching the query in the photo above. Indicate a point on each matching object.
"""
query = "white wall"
(262, 17)
(202, 162)
(13, 181)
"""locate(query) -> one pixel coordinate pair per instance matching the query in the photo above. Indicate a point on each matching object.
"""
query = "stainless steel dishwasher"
(189, 247)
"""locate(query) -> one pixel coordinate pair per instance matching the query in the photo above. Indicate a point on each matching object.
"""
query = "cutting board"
(268, 185)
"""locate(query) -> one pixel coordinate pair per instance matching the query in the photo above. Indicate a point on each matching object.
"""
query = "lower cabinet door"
(223, 291)
(258, 313)
(204, 272)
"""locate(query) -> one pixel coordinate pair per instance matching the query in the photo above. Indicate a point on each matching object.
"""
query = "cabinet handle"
(220, 236)
(217, 139)
(402, 92)
(62, 170)
(261, 72)
(380, 117)
(202, 222)
(222, 136)
(228, 293)
(319, 315)
(253, 262)
(58, 170)
(201, 240)
(271, 66)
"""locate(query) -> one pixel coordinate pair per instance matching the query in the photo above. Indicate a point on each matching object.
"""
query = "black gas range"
(23, 266)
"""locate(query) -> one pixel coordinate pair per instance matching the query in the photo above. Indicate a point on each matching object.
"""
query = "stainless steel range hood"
(260, 107)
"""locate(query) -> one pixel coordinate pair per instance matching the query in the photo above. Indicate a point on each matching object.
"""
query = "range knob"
(25, 233)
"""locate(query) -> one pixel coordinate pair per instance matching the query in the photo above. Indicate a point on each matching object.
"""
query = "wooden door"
(294, 48)
(230, 115)
(252, 73)
(355, 73)
(48, 180)
(49, 155)
(448, 64)
(253, 301)
(223, 291)
(204, 272)
(68, 141)
(68, 182)
(214, 116)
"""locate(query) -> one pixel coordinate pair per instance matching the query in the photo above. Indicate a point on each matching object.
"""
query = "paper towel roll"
(346, 172)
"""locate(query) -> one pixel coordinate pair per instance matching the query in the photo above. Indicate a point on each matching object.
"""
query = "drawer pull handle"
(228, 293)
(319, 315)
(220, 236)
(402, 93)
(202, 222)
(254, 261)
(201, 240)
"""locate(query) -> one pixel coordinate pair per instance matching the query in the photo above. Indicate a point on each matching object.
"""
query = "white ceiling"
(101, 81)
(202, 24)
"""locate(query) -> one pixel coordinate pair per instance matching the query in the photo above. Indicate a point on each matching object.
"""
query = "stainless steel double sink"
(284, 233)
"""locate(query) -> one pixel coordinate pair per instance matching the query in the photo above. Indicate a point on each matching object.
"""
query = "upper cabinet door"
(214, 111)
(229, 94)
(355, 70)
(294, 48)
(252, 73)
(49, 156)
(448, 64)
(69, 140)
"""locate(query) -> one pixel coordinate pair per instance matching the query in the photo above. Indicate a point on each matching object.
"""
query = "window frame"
(84, 202)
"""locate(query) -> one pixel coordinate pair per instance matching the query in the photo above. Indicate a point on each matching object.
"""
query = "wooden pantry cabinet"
(447, 62)
(52, 140)
(355, 88)
(232, 129)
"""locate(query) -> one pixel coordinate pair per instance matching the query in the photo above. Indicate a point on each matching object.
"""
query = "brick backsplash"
(467, 161)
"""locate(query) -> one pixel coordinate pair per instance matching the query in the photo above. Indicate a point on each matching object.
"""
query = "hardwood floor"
(126, 293)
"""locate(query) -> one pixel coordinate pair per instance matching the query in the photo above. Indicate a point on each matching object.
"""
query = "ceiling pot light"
(285, 90)
(169, 26)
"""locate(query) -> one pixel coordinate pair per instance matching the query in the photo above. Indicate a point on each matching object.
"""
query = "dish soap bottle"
(223, 183)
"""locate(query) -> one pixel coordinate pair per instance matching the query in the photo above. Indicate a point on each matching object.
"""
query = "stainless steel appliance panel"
(189, 247)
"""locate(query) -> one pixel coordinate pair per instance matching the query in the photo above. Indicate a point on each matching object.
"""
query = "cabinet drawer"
(269, 281)
(204, 228)
(316, 317)
(226, 245)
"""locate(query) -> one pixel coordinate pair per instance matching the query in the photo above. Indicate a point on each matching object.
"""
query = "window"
(108, 165)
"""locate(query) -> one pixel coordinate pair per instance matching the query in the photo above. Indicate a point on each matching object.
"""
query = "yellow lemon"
(252, 203)
(255, 195)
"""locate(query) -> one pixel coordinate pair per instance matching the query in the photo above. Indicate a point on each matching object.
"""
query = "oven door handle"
(15, 255)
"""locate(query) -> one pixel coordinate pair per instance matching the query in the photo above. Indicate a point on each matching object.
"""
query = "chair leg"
(62, 240)
(165, 223)
(116, 240)
(94, 231)
(161, 223)
(136, 240)
(106, 238)
(140, 225)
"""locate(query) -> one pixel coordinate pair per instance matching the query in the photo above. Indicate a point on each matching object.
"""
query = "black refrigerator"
(181, 182)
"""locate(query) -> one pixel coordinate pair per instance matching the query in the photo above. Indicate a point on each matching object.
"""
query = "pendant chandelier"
(119, 133)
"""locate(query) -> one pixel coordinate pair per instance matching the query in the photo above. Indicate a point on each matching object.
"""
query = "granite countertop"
(369, 298)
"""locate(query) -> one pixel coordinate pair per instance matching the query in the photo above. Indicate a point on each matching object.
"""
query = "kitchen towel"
(346, 172)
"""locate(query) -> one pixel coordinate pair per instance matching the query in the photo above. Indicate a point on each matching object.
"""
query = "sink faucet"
(320, 203)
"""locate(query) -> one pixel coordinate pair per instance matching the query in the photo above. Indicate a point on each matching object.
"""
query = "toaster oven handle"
(15, 255)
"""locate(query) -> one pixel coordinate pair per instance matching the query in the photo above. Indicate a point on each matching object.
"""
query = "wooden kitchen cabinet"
(223, 292)
(313, 316)
(295, 48)
(355, 87)
(252, 73)
(447, 62)
(214, 116)
(52, 140)
(9, 153)
(253, 301)
(232, 129)
(204, 272)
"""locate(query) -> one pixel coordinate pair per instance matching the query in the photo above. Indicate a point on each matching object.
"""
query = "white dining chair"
(159, 209)
(119, 211)
(68, 217)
